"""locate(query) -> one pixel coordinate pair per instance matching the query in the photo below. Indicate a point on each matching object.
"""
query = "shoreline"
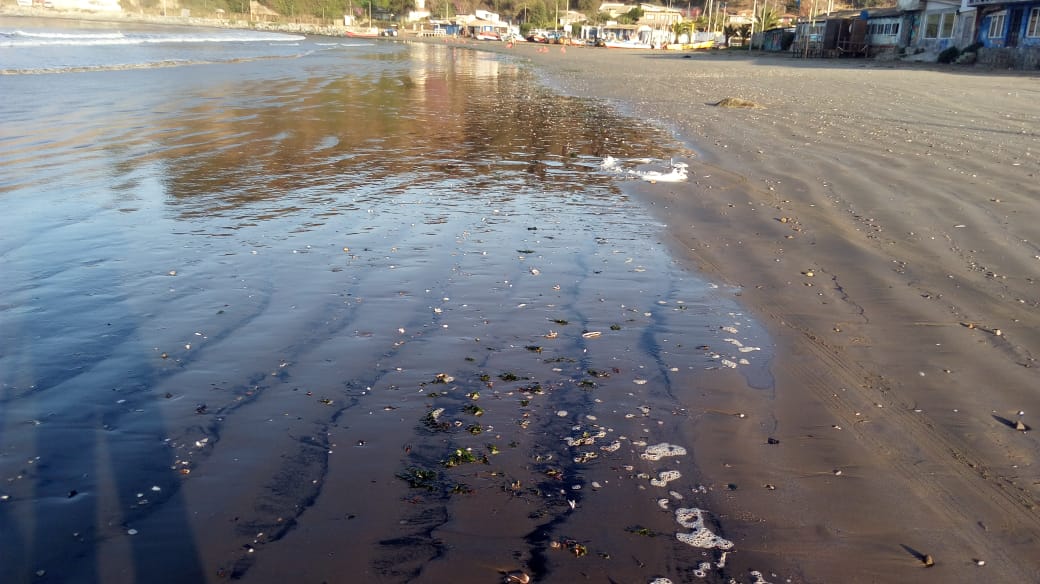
(880, 222)
(892, 253)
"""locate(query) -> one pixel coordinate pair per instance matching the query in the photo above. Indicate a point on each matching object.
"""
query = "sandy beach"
(298, 329)
(882, 220)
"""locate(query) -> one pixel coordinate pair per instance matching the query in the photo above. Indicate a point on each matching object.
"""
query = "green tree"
(767, 18)
(683, 27)
(631, 17)
(537, 15)
(728, 32)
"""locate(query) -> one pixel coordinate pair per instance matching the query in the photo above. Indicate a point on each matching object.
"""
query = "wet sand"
(877, 220)
(330, 319)
(882, 221)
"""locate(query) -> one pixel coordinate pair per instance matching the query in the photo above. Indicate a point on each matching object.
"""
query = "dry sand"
(882, 221)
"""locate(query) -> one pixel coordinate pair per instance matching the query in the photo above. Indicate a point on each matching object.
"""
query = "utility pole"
(751, 35)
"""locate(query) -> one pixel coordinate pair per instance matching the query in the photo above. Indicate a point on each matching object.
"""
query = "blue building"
(1009, 31)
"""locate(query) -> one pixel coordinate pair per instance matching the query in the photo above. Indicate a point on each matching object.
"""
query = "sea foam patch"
(662, 450)
(664, 477)
(699, 536)
(677, 171)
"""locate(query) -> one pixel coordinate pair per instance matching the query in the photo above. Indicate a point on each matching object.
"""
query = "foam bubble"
(700, 536)
(664, 477)
(759, 578)
(659, 451)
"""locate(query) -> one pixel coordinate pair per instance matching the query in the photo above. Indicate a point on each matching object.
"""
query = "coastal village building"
(654, 16)
(1003, 33)
(1009, 31)
(419, 13)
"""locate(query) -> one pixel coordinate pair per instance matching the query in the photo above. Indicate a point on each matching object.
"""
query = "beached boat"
(690, 46)
(485, 35)
(629, 44)
(363, 33)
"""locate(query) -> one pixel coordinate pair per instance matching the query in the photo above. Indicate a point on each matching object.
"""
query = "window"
(996, 25)
(931, 26)
(939, 25)
(946, 30)
(883, 29)
(1033, 30)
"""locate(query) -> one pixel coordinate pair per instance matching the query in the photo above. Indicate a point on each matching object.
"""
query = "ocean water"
(284, 308)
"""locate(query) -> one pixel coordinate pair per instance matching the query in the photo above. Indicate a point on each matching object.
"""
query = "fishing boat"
(708, 44)
(363, 33)
(626, 44)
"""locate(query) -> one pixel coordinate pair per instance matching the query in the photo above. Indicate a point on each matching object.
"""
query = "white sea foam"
(678, 171)
(20, 39)
(664, 477)
(759, 578)
(700, 536)
(662, 450)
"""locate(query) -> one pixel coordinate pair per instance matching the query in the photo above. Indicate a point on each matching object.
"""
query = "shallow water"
(235, 293)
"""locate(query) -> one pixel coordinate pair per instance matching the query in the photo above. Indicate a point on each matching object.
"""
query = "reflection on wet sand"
(390, 320)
